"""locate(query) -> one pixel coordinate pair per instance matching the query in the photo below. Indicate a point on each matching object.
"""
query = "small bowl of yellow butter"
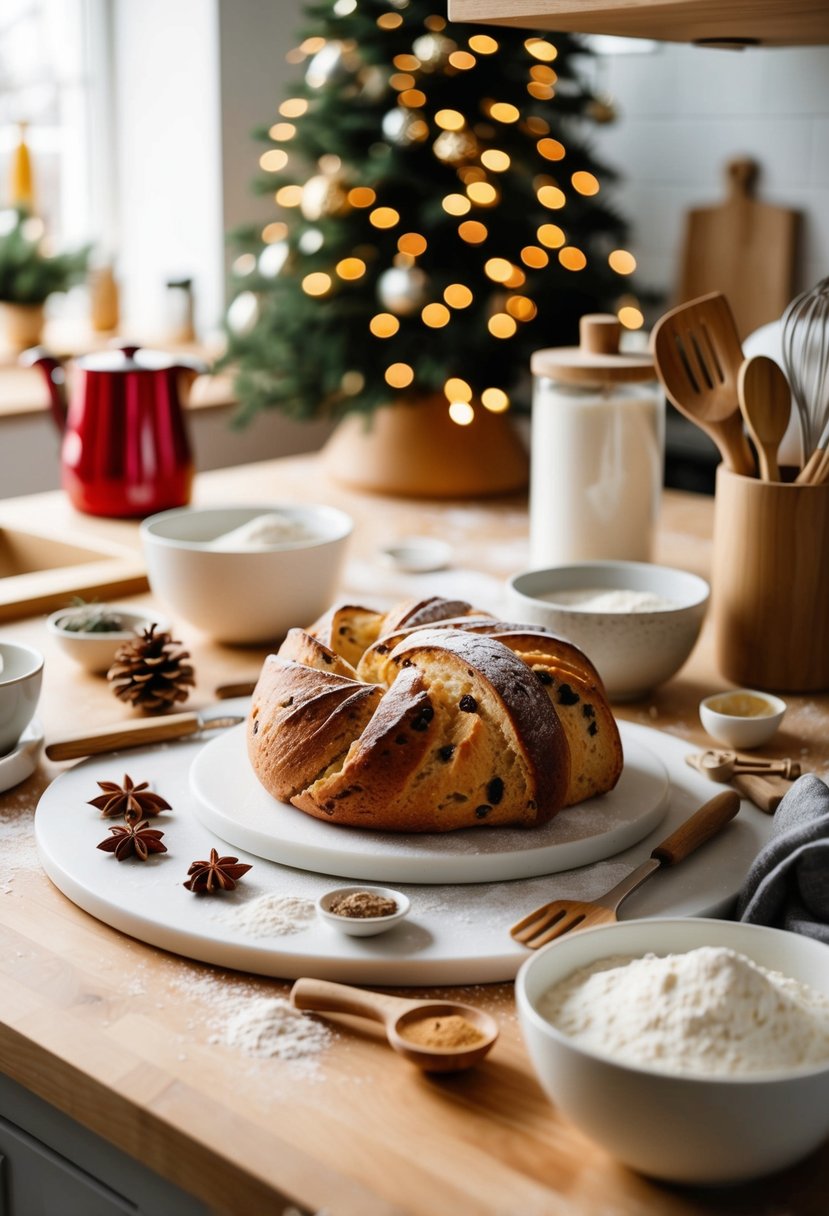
(742, 718)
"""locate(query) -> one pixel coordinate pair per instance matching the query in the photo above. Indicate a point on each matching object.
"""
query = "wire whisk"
(805, 332)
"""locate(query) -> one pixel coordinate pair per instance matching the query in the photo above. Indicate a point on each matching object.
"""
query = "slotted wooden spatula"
(563, 915)
(698, 356)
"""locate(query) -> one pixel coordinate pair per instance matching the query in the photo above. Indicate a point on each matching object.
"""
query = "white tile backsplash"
(684, 112)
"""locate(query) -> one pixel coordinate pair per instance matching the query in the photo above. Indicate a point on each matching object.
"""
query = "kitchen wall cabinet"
(754, 22)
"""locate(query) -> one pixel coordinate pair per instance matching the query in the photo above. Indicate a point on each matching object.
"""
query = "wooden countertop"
(119, 1035)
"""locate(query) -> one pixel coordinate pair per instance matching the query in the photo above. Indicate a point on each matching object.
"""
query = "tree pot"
(21, 325)
(413, 449)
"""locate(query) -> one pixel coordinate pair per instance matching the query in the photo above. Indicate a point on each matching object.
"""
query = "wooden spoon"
(766, 404)
(697, 353)
(398, 1015)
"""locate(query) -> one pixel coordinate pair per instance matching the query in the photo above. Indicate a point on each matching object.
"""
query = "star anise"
(132, 801)
(217, 874)
(137, 838)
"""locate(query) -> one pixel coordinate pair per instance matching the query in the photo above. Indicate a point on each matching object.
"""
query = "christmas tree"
(440, 216)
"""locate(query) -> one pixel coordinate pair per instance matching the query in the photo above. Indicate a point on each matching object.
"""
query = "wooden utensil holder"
(770, 583)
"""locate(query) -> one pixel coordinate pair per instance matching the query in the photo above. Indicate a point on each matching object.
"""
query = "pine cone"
(149, 675)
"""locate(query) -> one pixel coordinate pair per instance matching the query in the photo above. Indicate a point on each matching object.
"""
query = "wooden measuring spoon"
(697, 353)
(766, 404)
(398, 1014)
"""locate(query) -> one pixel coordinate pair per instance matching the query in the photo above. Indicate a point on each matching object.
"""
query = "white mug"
(21, 675)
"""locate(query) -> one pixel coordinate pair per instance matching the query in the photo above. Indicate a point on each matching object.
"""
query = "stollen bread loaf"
(430, 718)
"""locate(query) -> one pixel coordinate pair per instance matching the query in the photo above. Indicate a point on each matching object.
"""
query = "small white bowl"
(634, 651)
(245, 595)
(417, 554)
(21, 680)
(742, 718)
(690, 1129)
(96, 651)
(362, 926)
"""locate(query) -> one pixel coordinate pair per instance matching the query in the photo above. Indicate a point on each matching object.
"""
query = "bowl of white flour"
(637, 622)
(246, 573)
(693, 1050)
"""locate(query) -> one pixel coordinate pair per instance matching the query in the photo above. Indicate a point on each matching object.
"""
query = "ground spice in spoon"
(450, 1030)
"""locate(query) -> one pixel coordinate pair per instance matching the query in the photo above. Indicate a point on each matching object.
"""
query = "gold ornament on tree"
(403, 289)
(150, 674)
(325, 194)
(373, 82)
(433, 51)
(334, 64)
(403, 127)
(456, 147)
(602, 109)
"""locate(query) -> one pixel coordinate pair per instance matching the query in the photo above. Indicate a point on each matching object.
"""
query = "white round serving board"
(454, 934)
(231, 802)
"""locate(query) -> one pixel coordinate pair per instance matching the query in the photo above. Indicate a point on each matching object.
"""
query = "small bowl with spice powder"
(363, 911)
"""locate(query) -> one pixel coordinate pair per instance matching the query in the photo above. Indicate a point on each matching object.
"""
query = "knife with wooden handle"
(134, 734)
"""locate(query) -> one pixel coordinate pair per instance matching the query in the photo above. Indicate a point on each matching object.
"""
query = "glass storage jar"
(597, 450)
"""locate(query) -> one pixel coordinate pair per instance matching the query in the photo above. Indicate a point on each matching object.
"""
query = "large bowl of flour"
(694, 1050)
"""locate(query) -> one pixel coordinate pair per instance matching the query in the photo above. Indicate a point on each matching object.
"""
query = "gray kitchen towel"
(788, 883)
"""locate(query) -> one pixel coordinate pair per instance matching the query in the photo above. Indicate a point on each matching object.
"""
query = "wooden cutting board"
(742, 247)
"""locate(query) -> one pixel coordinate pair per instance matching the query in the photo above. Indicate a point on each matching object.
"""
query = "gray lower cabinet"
(51, 1166)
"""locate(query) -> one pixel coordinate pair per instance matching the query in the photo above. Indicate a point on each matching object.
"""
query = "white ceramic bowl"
(689, 1129)
(96, 651)
(721, 716)
(634, 652)
(245, 595)
(417, 554)
(362, 926)
(21, 678)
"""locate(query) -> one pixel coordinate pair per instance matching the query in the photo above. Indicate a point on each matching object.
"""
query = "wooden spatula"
(698, 356)
(766, 404)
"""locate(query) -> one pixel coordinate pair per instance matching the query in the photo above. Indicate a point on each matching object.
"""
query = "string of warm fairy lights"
(402, 288)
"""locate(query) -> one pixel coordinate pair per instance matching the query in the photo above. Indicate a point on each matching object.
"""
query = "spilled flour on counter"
(239, 1016)
(711, 1011)
(18, 850)
(270, 1026)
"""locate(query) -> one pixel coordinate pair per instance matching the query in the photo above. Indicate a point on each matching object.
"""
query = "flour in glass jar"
(710, 1011)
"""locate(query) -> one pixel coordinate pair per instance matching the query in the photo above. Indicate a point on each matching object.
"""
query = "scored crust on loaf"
(596, 758)
(413, 613)
(304, 648)
(465, 736)
(347, 629)
(358, 720)
(303, 721)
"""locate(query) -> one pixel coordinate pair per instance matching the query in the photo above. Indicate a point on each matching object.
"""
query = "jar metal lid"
(597, 358)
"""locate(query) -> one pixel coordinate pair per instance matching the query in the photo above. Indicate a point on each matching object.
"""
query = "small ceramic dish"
(21, 761)
(95, 650)
(362, 926)
(742, 718)
(417, 554)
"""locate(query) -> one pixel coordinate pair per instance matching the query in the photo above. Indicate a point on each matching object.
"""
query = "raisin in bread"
(464, 736)
(431, 717)
(572, 683)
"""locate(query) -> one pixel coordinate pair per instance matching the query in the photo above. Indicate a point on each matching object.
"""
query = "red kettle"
(125, 449)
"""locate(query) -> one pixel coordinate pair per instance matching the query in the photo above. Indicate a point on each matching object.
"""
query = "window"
(54, 78)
